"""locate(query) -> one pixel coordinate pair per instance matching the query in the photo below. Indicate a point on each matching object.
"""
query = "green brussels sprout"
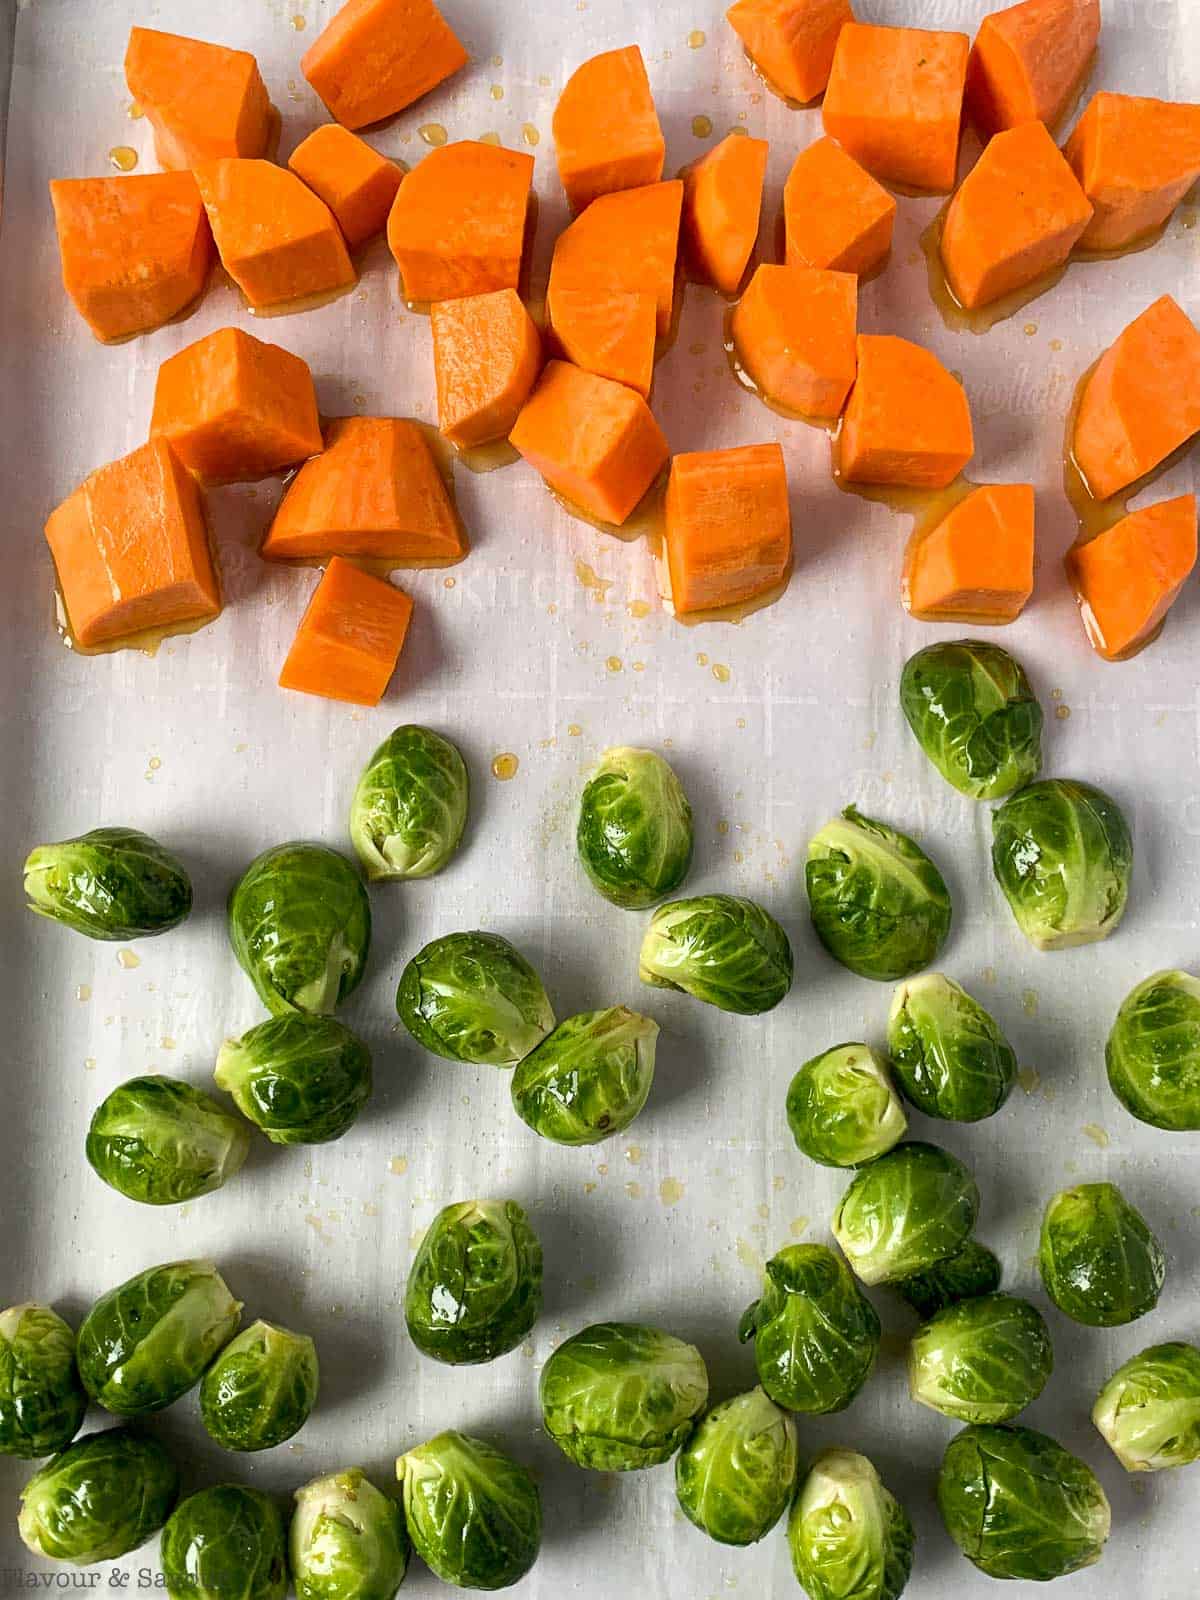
(111, 883)
(42, 1401)
(473, 997)
(972, 1270)
(951, 1059)
(145, 1343)
(1062, 853)
(1099, 1261)
(589, 1078)
(300, 926)
(475, 1288)
(982, 1360)
(618, 1396)
(474, 1514)
(225, 1543)
(348, 1541)
(410, 806)
(260, 1389)
(98, 1499)
(849, 1538)
(842, 1108)
(721, 949)
(160, 1140)
(905, 1212)
(635, 829)
(815, 1334)
(734, 1476)
(1149, 1410)
(878, 903)
(1020, 1506)
(1153, 1052)
(974, 714)
(301, 1079)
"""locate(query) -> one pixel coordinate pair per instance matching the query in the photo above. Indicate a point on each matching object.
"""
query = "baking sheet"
(541, 649)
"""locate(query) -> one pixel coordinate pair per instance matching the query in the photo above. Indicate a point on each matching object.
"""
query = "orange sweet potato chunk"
(907, 421)
(606, 331)
(728, 526)
(976, 565)
(355, 182)
(1015, 217)
(1136, 159)
(377, 56)
(791, 42)
(606, 131)
(835, 214)
(1129, 577)
(627, 241)
(131, 549)
(135, 251)
(487, 354)
(350, 638)
(1029, 62)
(894, 101)
(457, 225)
(203, 100)
(1142, 401)
(794, 333)
(594, 441)
(722, 202)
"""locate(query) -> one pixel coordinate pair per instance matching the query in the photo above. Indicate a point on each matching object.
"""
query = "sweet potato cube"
(131, 549)
(1141, 402)
(276, 239)
(894, 101)
(355, 182)
(728, 526)
(1015, 218)
(486, 357)
(976, 565)
(594, 441)
(907, 421)
(1136, 159)
(835, 214)
(793, 331)
(626, 241)
(1129, 576)
(457, 225)
(377, 56)
(203, 100)
(791, 42)
(135, 251)
(722, 202)
(374, 492)
(606, 131)
(606, 331)
(350, 638)
(1029, 62)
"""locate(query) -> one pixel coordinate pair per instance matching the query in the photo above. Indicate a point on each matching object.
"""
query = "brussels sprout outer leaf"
(1153, 1052)
(972, 711)
(1099, 1261)
(225, 1543)
(842, 1108)
(635, 830)
(99, 1498)
(905, 1212)
(347, 1540)
(42, 1400)
(301, 1079)
(949, 1056)
(972, 1270)
(720, 949)
(1149, 1410)
(589, 1078)
(474, 1514)
(160, 1141)
(815, 1335)
(410, 806)
(849, 1538)
(473, 997)
(982, 1360)
(734, 1476)
(111, 883)
(260, 1389)
(475, 1288)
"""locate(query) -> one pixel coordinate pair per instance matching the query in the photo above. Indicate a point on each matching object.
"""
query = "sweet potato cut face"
(1136, 159)
(457, 226)
(355, 182)
(976, 565)
(486, 357)
(594, 441)
(835, 214)
(606, 131)
(791, 42)
(728, 526)
(722, 203)
(350, 638)
(377, 56)
(907, 421)
(1129, 577)
(202, 100)
(894, 101)
(375, 491)
(794, 333)
(628, 242)
(1029, 62)
(606, 331)
(1142, 401)
(1015, 218)
(131, 549)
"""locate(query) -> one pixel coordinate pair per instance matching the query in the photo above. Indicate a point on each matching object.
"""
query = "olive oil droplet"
(83, 991)
(721, 672)
(490, 137)
(299, 23)
(433, 133)
(670, 1191)
(504, 766)
(530, 134)
(124, 157)
(497, 91)
(697, 39)
(702, 126)
(398, 1166)
(128, 960)
(1097, 1134)
(573, 730)
(614, 663)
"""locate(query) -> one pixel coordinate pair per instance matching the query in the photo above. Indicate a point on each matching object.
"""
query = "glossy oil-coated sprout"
(300, 926)
(721, 949)
(42, 1400)
(589, 1078)
(949, 1056)
(878, 903)
(98, 1499)
(1149, 1410)
(850, 1539)
(1100, 1263)
(161, 1141)
(635, 829)
(734, 1476)
(619, 1396)
(111, 883)
(474, 1514)
(225, 1543)
(347, 1540)
(905, 1212)
(410, 806)
(843, 1109)
(1153, 1052)
(301, 1079)
(475, 1288)
(1062, 853)
(260, 1389)
(982, 1360)
(972, 711)
(473, 997)
(972, 1270)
